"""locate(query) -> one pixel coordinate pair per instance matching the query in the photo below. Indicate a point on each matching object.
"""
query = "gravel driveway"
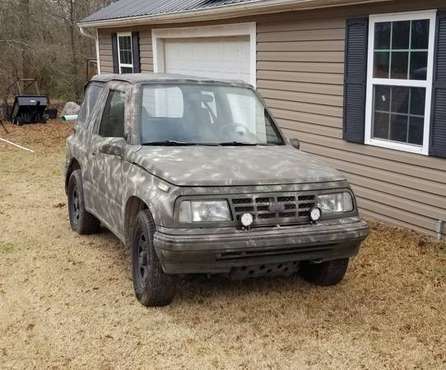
(67, 300)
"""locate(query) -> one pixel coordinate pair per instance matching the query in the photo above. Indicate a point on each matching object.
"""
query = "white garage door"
(213, 57)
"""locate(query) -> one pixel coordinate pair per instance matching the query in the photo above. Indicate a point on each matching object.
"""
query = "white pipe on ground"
(17, 145)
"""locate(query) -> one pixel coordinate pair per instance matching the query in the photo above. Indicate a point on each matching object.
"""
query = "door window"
(92, 93)
(113, 117)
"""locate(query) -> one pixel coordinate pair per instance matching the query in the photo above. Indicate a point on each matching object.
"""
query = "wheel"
(80, 220)
(152, 286)
(325, 273)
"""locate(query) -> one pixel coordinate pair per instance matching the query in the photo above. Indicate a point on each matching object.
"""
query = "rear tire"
(152, 286)
(80, 220)
(326, 273)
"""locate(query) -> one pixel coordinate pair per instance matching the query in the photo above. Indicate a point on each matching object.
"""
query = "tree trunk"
(74, 58)
(25, 12)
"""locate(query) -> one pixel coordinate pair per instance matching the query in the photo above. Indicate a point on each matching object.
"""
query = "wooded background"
(40, 39)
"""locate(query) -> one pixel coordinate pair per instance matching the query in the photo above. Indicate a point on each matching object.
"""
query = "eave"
(225, 12)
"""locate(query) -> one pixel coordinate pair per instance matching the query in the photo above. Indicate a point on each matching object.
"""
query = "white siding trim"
(391, 17)
(236, 29)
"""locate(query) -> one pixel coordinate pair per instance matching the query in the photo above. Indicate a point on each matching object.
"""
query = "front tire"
(80, 220)
(152, 286)
(326, 273)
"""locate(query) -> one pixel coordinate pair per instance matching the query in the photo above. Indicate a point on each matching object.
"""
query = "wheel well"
(132, 208)
(73, 166)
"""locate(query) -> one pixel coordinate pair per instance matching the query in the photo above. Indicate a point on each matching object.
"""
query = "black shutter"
(115, 53)
(136, 57)
(438, 118)
(355, 79)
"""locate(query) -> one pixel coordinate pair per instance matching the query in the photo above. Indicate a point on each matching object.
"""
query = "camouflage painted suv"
(195, 177)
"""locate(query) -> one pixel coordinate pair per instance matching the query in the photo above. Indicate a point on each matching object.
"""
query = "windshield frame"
(139, 103)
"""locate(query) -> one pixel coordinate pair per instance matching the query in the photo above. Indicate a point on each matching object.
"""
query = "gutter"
(96, 39)
(225, 12)
(85, 33)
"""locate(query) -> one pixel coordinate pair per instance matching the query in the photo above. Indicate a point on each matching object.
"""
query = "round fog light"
(246, 219)
(315, 214)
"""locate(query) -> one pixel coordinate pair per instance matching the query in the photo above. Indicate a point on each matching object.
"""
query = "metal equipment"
(27, 107)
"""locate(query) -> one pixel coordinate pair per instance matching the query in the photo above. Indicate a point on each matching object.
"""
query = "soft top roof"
(139, 78)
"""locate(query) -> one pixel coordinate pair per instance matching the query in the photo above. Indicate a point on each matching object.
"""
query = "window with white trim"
(125, 52)
(399, 81)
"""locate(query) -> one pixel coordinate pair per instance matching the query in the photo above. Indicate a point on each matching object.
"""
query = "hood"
(233, 165)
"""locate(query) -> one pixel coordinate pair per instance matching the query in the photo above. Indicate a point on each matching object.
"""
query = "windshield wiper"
(236, 143)
(171, 143)
(187, 143)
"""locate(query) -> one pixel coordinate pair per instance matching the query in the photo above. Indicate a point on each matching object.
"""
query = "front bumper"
(198, 251)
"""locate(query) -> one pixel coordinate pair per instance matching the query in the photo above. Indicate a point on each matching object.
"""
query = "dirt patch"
(67, 300)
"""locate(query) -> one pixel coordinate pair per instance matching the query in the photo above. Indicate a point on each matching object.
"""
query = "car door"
(89, 111)
(107, 149)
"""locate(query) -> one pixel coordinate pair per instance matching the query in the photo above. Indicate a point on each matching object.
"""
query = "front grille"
(274, 209)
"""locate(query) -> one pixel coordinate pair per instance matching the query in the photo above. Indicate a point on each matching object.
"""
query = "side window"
(113, 116)
(125, 53)
(400, 81)
(92, 93)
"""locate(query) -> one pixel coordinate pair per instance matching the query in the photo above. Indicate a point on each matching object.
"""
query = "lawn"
(67, 300)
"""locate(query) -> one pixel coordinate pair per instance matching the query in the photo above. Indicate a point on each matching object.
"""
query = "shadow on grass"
(195, 289)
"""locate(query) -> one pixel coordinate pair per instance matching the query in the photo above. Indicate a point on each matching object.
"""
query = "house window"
(125, 53)
(399, 83)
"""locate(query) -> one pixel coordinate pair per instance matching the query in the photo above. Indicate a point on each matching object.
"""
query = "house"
(361, 83)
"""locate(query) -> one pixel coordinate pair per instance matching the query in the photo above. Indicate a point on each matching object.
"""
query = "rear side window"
(112, 122)
(92, 93)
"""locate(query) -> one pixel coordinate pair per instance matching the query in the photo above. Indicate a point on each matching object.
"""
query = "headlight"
(335, 203)
(204, 211)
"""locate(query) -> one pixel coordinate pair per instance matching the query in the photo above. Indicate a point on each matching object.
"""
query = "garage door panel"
(212, 57)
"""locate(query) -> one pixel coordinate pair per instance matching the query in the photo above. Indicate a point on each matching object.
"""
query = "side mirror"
(295, 143)
(113, 147)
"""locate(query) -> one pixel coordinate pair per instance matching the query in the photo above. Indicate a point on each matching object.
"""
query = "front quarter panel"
(147, 187)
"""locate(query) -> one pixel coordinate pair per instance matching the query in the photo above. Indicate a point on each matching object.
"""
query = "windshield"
(188, 114)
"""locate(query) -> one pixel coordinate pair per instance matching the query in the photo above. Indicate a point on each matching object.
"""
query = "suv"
(194, 176)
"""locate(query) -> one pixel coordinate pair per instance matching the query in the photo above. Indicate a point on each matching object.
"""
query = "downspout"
(96, 38)
(440, 228)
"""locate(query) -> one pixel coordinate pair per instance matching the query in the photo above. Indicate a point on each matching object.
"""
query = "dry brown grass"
(67, 300)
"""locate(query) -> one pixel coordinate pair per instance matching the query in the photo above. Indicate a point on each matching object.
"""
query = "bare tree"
(25, 12)
(40, 39)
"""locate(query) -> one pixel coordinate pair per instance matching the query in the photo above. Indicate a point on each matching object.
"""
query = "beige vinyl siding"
(300, 73)
(145, 45)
